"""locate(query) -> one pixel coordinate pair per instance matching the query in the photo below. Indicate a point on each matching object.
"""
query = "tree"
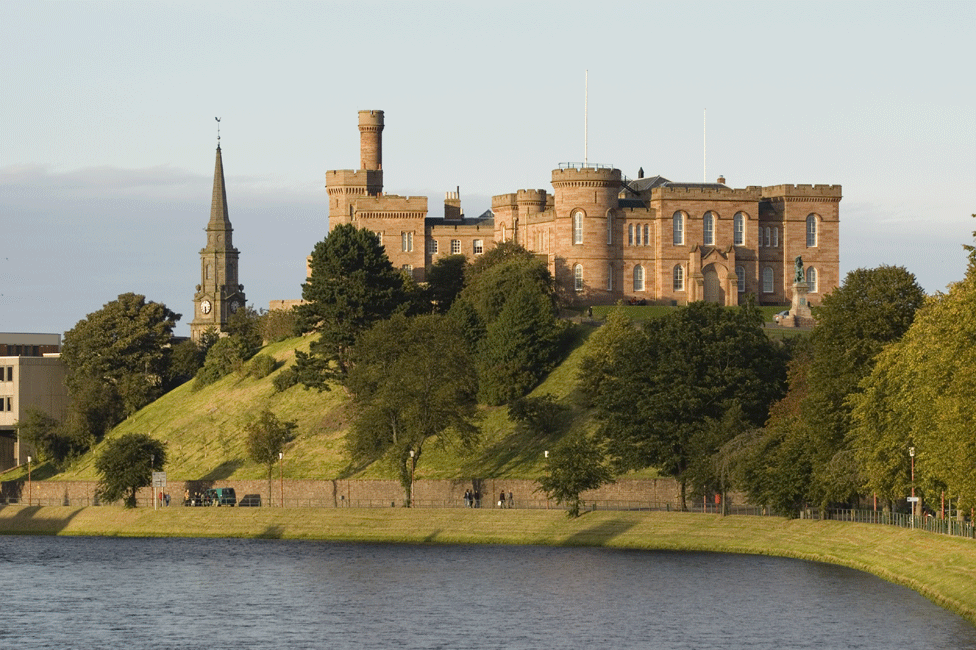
(919, 394)
(412, 380)
(352, 286)
(445, 280)
(46, 436)
(225, 356)
(126, 464)
(576, 464)
(266, 439)
(602, 352)
(117, 361)
(247, 326)
(688, 367)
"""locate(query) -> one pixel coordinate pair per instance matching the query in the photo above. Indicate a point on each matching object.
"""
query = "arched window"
(678, 276)
(577, 227)
(678, 229)
(740, 229)
(767, 280)
(638, 278)
(708, 229)
(609, 277)
(630, 235)
(812, 279)
(811, 231)
(578, 277)
(775, 237)
(646, 230)
(740, 274)
(609, 227)
(504, 234)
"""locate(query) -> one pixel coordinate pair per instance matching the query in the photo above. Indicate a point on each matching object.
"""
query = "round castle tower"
(586, 240)
(371, 140)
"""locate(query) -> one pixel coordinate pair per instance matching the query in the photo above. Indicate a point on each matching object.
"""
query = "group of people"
(473, 499)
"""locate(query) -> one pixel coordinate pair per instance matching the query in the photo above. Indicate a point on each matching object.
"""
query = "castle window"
(479, 247)
(811, 231)
(767, 280)
(609, 227)
(609, 277)
(768, 239)
(578, 277)
(407, 268)
(708, 229)
(678, 278)
(432, 246)
(740, 229)
(630, 235)
(638, 278)
(380, 235)
(577, 227)
(637, 237)
(812, 279)
(775, 237)
(455, 247)
(740, 274)
(646, 230)
(678, 229)
(406, 241)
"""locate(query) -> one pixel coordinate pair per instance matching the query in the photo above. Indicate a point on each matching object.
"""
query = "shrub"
(285, 380)
(261, 366)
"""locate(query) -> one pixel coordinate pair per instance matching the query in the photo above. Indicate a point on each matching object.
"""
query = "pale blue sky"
(107, 130)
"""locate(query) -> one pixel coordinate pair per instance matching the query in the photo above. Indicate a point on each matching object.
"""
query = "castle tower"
(586, 240)
(218, 295)
(345, 186)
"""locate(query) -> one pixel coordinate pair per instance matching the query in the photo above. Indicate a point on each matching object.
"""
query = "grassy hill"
(204, 430)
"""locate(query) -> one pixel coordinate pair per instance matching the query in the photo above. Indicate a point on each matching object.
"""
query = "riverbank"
(943, 569)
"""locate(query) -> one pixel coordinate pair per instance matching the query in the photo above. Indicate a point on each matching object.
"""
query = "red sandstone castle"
(608, 238)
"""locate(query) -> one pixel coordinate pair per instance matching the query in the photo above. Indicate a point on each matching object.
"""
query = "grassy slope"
(941, 568)
(203, 430)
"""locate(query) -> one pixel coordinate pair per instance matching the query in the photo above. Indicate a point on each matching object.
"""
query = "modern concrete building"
(31, 375)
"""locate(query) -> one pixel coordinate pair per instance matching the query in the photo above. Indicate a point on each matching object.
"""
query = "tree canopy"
(684, 369)
(413, 379)
(126, 464)
(265, 440)
(352, 286)
(117, 361)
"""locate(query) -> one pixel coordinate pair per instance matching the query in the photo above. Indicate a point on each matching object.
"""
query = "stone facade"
(606, 237)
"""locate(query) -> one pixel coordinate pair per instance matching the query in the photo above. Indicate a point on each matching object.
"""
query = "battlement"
(591, 176)
(391, 205)
(353, 177)
(504, 201)
(802, 191)
(750, 193)
(531, 196)
(371, 119)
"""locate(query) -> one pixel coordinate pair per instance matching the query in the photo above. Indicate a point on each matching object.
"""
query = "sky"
(108, 136)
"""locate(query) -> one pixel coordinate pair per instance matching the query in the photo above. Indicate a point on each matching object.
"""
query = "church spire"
(219, 219)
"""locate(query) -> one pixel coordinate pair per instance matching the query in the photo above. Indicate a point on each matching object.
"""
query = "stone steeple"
(218, 295)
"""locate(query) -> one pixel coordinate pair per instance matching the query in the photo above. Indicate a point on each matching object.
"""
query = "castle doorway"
(713, 288)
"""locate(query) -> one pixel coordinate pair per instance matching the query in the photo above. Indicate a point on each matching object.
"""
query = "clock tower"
(218, 295)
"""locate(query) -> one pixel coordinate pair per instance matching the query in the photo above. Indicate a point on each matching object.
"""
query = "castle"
(606, 237)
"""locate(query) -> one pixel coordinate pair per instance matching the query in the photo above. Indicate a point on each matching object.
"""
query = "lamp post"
(911, 453)
(547, 464)
(152, 468)
(413, 466)
(29, 485)
(281, 476)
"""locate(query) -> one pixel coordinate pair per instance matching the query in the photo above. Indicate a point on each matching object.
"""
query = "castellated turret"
(371, 140)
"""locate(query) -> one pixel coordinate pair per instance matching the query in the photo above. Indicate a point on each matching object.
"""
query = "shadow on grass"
(25, 522)
(224, 470)
(271, 532)
(599, 534)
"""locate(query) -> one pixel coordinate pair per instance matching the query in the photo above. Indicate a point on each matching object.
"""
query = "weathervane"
(218, 130)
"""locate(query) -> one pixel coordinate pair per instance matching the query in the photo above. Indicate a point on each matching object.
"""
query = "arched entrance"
(713, 286)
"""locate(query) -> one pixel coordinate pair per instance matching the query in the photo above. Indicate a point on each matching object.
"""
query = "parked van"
(220, 497)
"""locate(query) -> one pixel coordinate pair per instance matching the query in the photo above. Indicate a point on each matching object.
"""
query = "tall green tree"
(265, 440)
(46, 435)
(445, 280)
(117, 361)
(126, 464)
(352, 286)
(413, 380)
(688, 367)
(919, 394)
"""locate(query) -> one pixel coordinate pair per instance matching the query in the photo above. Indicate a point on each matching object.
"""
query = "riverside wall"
(337, 493)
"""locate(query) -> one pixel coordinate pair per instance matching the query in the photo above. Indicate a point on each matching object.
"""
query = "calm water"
(180, 593)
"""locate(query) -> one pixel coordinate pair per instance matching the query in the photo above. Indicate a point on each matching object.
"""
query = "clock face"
(205, 306)
(233, 307)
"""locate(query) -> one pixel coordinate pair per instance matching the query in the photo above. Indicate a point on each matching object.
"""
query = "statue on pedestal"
(798, 268)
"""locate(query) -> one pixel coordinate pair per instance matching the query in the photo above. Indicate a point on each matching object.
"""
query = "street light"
(911, 453)
(281, 476)
(413, 466)
(29, 486)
